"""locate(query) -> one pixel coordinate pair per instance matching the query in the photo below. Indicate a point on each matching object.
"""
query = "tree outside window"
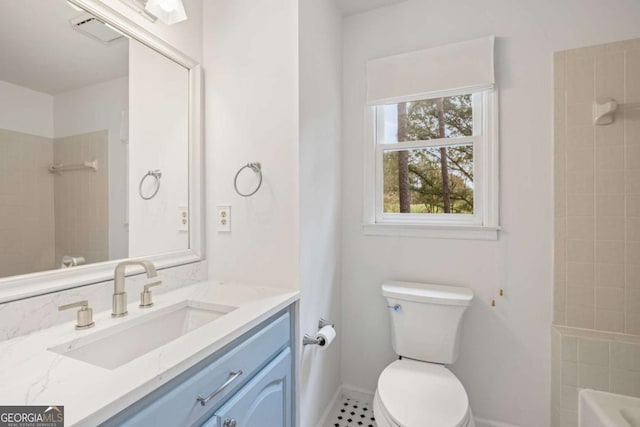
(435, 178)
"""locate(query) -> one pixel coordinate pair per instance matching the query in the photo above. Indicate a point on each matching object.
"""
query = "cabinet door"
(265, 401)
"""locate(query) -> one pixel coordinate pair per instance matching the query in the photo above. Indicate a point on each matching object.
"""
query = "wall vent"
(90, 26)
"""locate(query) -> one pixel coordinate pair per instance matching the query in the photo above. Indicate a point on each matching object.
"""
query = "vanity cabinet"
(248, 383)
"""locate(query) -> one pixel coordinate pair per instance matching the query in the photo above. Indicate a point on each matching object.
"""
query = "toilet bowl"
(418, 390)
(412, 393)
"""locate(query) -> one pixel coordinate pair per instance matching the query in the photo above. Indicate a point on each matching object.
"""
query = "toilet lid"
(422, 394)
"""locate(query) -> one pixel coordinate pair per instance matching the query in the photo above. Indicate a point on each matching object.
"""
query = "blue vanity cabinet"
(264, 402)
(249, 381)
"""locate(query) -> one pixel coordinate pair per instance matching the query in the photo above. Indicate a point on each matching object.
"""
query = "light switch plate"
(223, 218)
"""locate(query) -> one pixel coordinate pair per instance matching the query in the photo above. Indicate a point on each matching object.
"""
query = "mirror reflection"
(93, 142)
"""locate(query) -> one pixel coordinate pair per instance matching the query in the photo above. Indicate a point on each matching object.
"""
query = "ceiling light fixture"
(139, 6)
(168, 11)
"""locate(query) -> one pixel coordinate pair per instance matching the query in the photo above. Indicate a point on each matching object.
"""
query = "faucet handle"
(84, 316)
(146, 300)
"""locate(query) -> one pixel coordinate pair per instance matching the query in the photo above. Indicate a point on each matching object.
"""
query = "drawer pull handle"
(232, 377)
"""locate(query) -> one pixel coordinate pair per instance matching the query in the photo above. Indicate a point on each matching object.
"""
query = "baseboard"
(483, 422)
(357, 392)
(329, 409)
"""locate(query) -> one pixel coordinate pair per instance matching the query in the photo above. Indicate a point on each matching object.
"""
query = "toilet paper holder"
(311, 340)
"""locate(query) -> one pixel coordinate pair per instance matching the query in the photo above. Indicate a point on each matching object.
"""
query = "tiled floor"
(351, 412)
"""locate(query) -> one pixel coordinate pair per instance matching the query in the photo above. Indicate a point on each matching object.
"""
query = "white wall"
(504, 362)
(251, 70)
(25, 110)
(94, 108)
(158, 140)
(320, 198)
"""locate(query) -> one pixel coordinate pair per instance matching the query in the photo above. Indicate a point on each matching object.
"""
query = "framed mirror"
(100, 141)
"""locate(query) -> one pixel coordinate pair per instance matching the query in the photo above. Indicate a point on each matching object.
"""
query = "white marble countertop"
(30, 374)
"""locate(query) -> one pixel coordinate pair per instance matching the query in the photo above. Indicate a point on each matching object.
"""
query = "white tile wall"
(26, 203)
(596, 360)
(597, 228)
(44, 216)
(597, 191)
(82, 198)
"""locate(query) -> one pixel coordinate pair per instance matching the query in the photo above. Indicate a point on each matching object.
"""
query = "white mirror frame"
(28, 285)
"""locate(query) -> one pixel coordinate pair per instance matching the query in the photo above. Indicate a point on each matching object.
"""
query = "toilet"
(418, 390)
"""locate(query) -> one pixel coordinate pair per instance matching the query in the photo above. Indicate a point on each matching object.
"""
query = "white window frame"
(483, 224)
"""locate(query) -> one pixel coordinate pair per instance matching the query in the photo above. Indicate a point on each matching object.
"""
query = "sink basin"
(602, 409)
(115, 346)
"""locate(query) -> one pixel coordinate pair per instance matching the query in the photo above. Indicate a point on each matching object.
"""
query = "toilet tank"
(426, 319)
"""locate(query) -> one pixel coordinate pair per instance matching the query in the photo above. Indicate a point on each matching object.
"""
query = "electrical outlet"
(223, 218)
(183, 218)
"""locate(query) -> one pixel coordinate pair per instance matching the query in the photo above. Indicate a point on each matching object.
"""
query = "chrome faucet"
(119, 295)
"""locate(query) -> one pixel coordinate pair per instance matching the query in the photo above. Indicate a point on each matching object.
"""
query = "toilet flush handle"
(395, 307)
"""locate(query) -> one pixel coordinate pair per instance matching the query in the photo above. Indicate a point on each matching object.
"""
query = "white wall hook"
(604, 110)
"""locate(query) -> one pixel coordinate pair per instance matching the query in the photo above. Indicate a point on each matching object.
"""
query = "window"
(431, 159)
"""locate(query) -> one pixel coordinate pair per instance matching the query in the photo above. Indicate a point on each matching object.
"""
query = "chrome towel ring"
(156, 174)
(255, 167)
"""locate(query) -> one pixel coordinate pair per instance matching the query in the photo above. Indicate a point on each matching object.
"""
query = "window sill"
(456, 232)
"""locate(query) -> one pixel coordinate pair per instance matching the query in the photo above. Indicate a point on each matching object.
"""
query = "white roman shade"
(464, 67)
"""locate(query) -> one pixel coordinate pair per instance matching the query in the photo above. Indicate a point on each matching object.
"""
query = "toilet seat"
(420, 394)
